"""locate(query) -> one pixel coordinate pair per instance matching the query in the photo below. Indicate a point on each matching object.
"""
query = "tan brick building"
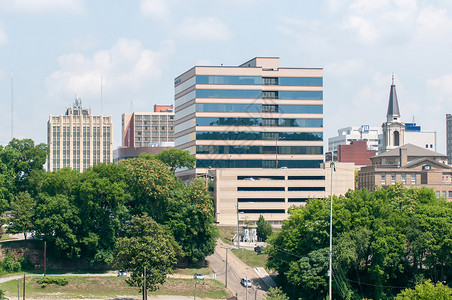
(410, 165)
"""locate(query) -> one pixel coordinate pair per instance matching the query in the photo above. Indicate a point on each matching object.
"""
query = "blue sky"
(59, 48)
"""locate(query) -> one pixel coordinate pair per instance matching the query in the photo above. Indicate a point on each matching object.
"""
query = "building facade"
(78, 139)
(253, 128)
(144, 129)
(351, 134)
(256, 115)
(245, 194)
(357, 152)
(449, 137)
(410, 165)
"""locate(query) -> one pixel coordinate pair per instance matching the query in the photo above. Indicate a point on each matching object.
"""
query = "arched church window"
(396, 138)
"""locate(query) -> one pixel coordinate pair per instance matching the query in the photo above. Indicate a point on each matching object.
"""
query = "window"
(260, 189)
(269, 108)
(305, 188)
(437, 193)
(248, 80)
(261, 200)
(413, 179)
(301, 81)
(270, 80)
(383, 179)
(393, 179)
(233, 94)
(269, 95)
(450, 194)
(444, 194)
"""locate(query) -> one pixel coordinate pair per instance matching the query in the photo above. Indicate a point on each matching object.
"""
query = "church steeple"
(393, 129)
(393, 105)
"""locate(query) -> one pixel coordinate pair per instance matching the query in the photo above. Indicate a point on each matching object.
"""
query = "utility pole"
(45, 257)
(145, 295)
(330, 271)
(226, 280)
(238, 232)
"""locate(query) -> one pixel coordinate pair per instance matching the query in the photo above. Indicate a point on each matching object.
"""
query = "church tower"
(393, 128)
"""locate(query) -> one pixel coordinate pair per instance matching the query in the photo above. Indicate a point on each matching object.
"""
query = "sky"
(53, 50)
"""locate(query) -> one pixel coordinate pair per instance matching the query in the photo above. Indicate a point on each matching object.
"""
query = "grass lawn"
(227, 233)
(192, 271)
(251, 258)
(111, 287)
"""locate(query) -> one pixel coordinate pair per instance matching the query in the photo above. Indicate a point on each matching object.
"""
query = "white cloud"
(202, 29)
(432, 24)
(367, 31)
(43, 6)
(440, 88)
(3, 35)
(157, 9)
(126, 68)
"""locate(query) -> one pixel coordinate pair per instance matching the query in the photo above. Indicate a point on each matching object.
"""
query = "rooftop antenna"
(12, 105)
(131, 106)
(101, 94)
(414, 120)
(392, 78)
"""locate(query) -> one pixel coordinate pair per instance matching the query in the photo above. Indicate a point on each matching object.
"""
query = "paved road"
(236, 270)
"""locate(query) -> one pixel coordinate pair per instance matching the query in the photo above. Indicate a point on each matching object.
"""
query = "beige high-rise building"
(78, 139)
(257, 132)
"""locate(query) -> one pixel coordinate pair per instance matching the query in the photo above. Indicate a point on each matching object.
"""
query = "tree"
(57, 222)
(275, 293)
(28, 157)
(189, 217)
(150, 184)
(176, 158)
(264, 229)
(426, 291)
(100, 195)
(22, 214)
(146, 244)
(390, 237)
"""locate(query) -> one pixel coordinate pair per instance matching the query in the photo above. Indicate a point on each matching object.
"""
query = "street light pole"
(330, 271)
(238, 232)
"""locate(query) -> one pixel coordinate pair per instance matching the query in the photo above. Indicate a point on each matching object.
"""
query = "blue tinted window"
(226, 107)
(228, 122)
(301, 95)
(238, 135)
(300, 109)
(233, 94)
(301, 81)
(206, 79)
(219, 149)
(301, 122)
(258, 122)
(236, 163)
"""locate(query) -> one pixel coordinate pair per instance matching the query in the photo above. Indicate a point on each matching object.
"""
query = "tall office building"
(257, 131)
(449, 138)
(256, 115)
(141, 129)
(78, 139)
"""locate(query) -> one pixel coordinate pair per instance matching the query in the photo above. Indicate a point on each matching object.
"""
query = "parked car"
(122, 273)
(198, 276)
(245, 282)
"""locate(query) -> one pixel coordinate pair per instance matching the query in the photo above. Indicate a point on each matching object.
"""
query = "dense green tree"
(189, 217)
(150, 183)
(146, 244)
(22, 214)
(176, 158)
(275, 293)
(386, 238)
(100, 196)
(426, 291)
(57, 222)
(28, 157)
(264, 229)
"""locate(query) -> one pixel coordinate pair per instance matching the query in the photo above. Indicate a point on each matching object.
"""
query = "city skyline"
(128, 54)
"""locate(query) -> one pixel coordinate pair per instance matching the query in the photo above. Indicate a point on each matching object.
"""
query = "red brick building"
(356, 153)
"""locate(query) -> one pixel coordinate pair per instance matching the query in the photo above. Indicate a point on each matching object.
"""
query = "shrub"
(44, 281)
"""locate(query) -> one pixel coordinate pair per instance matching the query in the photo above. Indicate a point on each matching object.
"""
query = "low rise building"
(410, 165)
(357, 152)
(245, 194)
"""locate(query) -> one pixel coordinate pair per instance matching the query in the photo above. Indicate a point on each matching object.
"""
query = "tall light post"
(194, 294)
(330, 271)
(238, 232)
